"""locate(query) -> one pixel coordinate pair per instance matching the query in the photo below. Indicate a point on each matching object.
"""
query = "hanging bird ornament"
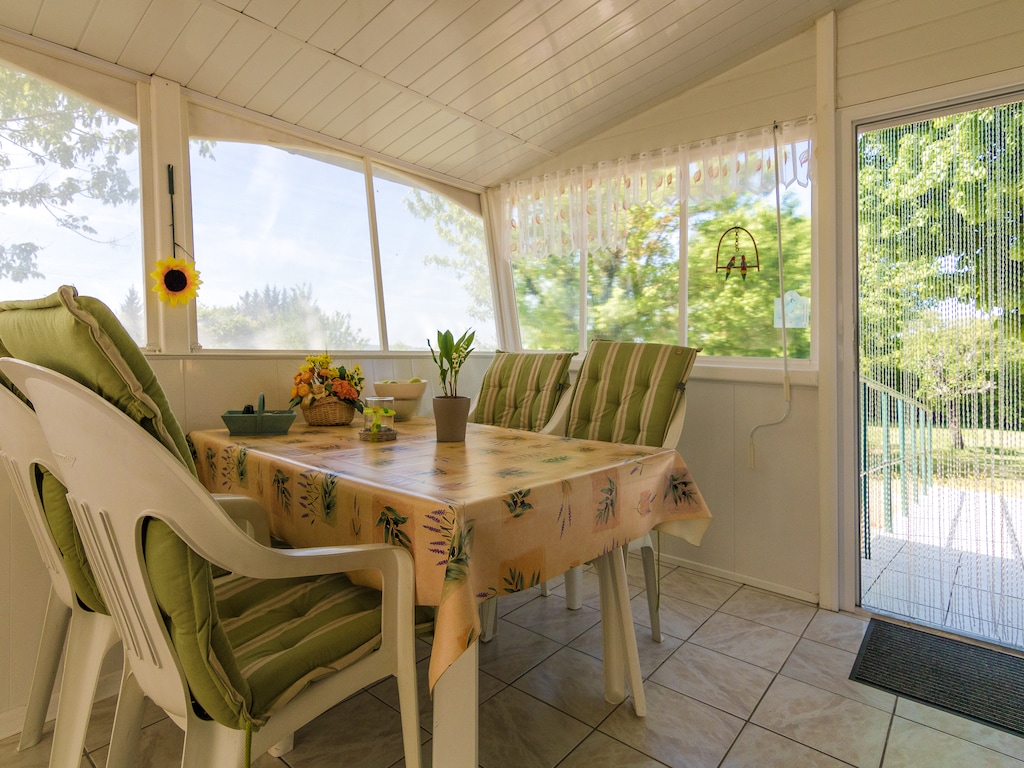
(745, 265)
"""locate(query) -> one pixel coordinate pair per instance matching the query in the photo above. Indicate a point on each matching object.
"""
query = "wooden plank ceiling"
(474, 91)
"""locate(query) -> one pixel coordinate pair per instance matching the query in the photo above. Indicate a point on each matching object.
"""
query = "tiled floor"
(743, 678)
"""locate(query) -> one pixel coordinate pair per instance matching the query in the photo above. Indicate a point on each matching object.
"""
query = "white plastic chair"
(90, 634)
(559, 424)
(120, 483)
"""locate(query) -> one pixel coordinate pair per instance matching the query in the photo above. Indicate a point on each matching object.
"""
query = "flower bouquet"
(328, 395)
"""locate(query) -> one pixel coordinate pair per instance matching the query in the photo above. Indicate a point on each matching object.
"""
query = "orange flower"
(307, 376)
(344, 389)
(302, 390)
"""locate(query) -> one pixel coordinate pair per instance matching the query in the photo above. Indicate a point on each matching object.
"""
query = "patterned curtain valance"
(587, 207)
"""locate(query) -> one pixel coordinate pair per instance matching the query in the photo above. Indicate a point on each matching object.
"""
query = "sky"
(261, 215)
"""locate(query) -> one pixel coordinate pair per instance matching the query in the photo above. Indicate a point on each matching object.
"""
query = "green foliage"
(451, 353)
(277, 318)
(76, 151)
(736, 317)
(941, 259)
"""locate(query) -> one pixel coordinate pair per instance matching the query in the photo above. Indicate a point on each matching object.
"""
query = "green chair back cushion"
(521, 389)
(53, 496)
(626, 392)
(81, 338)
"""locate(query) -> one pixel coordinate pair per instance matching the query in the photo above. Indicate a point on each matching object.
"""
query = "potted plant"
(328, 395)
(451, 410)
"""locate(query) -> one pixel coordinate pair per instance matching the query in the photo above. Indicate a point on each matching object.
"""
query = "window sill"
(750, 371)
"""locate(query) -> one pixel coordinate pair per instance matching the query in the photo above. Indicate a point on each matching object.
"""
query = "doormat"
(968, 680)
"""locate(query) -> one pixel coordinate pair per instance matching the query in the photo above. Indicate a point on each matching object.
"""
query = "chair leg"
(90, 637)
(489, 619)
(283, 747)
(408, 704)
(574, 588)
(124, 738)
(544, 591)
(211, 745)
(652, 587)
(44, 674)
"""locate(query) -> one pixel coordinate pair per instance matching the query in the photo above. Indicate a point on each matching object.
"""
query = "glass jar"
(379, 417)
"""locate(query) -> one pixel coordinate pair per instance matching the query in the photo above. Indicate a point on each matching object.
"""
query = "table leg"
(627, 630)
(611, 632)
(456, 717)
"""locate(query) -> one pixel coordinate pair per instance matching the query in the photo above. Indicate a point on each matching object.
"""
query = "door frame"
(840, 563)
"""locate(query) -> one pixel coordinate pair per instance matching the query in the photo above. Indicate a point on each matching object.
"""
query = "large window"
(283, 245)
(434, 265)
(69, 199)
(283, 242)
(604, 243)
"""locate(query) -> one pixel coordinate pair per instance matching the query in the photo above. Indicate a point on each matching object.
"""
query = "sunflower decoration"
(177, 280)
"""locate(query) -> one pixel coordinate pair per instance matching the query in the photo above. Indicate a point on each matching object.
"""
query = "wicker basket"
(328, 412)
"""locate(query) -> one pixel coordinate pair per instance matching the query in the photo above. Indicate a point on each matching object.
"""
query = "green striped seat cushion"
(521, 389)
(247, 646)
(626, 392)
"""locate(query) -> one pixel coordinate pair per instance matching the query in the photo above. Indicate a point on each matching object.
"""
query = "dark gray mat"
(978, 683)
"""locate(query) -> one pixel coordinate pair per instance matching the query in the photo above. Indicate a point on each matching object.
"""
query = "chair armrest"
(247, 513)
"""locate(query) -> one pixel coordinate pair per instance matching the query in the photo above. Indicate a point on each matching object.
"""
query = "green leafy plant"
(449, 357)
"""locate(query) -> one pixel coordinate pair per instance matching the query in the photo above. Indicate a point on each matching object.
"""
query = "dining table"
(503, 511)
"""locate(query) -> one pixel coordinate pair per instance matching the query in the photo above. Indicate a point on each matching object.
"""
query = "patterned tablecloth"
(499, 513)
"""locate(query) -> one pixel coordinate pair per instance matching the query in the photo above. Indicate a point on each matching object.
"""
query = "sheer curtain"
(582, 209)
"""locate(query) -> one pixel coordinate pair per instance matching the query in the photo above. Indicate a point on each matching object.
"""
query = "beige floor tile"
(102, 721)
(679, 731)
(829, 668)
(840, 630)
(912, 745)
(775, 611)
(845, 729)
(387, 692)
(698, 588)
(509, 603)
(713, 678)
(679, 618)
(361, 732)
(160, 746)
(514, 651)
(984, 735)
(548, 616)
(541, 697)
(572, 682)
(758, 748)
(600, 751)
(37, 756)
(519, 730)
(746, 640)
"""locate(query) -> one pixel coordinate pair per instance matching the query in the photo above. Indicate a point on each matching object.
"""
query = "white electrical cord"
(782, 302)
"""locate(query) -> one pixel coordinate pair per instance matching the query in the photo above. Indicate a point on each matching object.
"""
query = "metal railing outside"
(896, 453)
